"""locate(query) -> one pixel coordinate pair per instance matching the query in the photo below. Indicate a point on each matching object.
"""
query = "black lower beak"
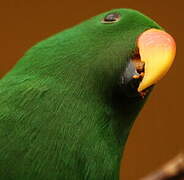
(129, 83)
(132, 77)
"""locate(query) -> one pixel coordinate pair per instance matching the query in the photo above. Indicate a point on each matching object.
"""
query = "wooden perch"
(173, 170)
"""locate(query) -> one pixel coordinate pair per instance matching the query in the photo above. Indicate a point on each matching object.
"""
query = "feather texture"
(62, 112)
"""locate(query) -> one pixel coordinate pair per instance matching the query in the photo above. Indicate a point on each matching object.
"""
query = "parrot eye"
(111, 18)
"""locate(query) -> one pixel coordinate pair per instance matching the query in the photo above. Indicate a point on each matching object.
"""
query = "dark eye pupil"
(112, 17)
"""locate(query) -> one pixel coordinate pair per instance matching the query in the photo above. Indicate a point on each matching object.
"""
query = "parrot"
(68, 105)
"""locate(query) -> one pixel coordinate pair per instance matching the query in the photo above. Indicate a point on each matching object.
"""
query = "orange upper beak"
(157, 50)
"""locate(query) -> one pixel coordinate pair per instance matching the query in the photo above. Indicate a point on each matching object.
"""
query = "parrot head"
(121, 46)
(125, 46)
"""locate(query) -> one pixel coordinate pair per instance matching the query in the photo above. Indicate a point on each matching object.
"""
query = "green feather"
(62, 113)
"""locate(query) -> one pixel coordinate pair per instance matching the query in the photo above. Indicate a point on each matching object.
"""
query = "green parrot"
(68, 105)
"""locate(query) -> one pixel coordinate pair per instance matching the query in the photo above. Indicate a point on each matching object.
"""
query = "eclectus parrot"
(68, 105)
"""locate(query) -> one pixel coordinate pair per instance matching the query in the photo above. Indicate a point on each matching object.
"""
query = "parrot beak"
(157, 50)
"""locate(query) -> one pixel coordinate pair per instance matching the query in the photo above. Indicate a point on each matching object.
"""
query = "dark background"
(158, 132)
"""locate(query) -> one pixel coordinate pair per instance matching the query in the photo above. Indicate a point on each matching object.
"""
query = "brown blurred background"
(158, 132)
